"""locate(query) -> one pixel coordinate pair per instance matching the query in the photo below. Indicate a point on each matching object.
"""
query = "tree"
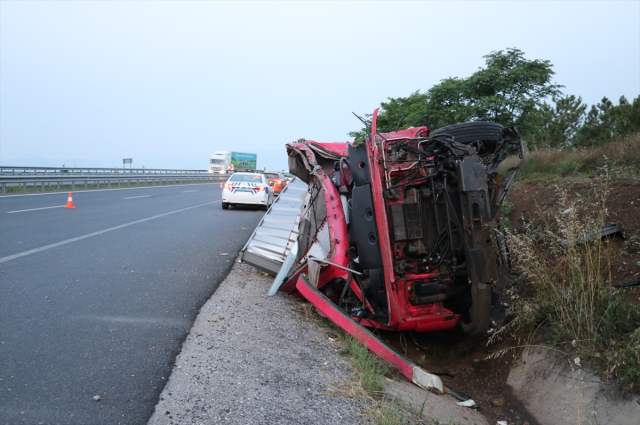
(507, 90)
(556, 126)
(510, 87)
(606, 121)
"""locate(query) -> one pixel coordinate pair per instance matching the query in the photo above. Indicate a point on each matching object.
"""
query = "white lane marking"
(135, 320)
(136, 197)
(187, 191)
(35, 209)
(54, 245)
(107, 190)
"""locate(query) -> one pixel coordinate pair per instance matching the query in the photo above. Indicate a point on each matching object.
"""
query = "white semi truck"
(223, 162)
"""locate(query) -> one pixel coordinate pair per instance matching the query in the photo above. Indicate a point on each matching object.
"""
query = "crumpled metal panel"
(276, 233)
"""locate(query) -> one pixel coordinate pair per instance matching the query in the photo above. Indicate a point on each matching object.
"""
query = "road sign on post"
(126, 161)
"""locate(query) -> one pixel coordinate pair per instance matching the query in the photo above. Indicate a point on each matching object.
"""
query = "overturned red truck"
(399, 230)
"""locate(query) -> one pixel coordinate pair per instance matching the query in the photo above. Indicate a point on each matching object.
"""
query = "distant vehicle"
(288, 176)
(247, 189)
(276, 180)
(225, 162)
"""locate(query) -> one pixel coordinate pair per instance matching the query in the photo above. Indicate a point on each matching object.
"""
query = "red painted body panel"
(350, 326)
(402, 315)
(336, 223)
(339, 149)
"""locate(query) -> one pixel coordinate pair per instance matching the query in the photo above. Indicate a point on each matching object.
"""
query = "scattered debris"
(96, 398)
(628, 284)
(500, 402)
(468, 403)
(611, 230)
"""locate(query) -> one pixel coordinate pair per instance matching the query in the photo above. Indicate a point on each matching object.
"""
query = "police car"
(247, 189)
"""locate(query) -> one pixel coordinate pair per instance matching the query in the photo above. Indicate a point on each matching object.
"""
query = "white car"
(247, 189)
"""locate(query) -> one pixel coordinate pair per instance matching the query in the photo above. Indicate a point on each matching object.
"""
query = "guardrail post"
(73, 185)
(24, 188)
(97, 184)
(58, 186)
(4, 188)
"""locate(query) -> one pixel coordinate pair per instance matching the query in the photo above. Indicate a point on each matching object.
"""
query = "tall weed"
(568, 289)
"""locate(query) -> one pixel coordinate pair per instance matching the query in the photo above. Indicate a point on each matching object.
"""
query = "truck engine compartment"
(399, 231)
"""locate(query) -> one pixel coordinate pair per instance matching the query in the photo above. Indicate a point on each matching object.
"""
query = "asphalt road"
(104, 296)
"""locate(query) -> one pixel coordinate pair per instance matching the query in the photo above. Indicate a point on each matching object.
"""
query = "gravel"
(253, 359)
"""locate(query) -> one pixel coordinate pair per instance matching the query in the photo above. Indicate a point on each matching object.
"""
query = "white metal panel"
(277, 232)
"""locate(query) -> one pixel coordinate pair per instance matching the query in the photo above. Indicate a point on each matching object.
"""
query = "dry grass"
(619, 157)
(568, 290)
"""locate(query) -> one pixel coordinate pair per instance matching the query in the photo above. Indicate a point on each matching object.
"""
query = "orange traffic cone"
(70, 202)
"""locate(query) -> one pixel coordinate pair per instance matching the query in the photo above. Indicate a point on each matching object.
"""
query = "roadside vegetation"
(514, 91)
(616, 158)
(368, 381)
(566, 298)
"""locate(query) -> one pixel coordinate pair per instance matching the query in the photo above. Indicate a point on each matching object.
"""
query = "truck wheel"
(485, 131)
(225, 206)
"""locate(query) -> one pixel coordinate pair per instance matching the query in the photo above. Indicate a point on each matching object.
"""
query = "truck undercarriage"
(398, 233)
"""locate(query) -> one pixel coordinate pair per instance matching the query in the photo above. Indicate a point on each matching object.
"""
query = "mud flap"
(406, 367)
(480, 310)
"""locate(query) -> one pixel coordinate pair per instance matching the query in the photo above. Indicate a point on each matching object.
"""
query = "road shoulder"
(252, 359)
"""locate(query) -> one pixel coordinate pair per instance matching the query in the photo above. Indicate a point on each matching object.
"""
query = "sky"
(89, 83)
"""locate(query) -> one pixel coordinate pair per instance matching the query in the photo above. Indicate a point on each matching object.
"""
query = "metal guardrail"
(60, 180)
(15, 170)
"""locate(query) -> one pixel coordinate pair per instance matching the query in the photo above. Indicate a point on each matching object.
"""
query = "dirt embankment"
(541, 200)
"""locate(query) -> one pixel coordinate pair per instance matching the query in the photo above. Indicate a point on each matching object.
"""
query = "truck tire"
(225, 206)
(485, 131)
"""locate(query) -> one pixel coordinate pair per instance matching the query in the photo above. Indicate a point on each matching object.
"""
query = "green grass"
(371, 371)
(370, 368)
(390, 414)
